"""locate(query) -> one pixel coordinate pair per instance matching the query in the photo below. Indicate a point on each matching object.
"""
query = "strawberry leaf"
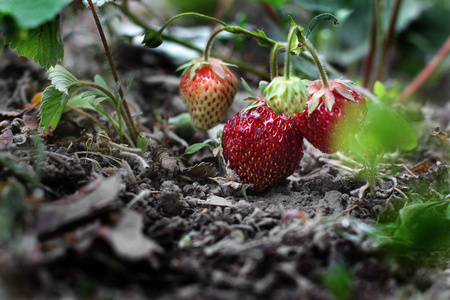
(320, 18)
(53, 103)
(100, 81)
(42, 44)
(31, 14)
(62, 79)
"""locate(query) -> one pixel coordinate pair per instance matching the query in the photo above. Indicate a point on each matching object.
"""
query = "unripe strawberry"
(261, 146)
(287, 95)
(207, 89)
(331, 116)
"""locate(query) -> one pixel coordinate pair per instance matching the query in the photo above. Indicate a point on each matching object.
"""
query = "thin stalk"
(192, 14)
(387, 40)
(89, 116)
(210, 41)
(287, 66)
(126, 113)
(265, 40)
(274, 60)
(243, 66)
(426, 72)
(313, 51)
(373, 45)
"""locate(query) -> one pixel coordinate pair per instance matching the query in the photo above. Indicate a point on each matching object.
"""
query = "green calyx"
(287, 96)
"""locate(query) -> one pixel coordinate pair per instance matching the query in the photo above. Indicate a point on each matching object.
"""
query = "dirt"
(105, 222)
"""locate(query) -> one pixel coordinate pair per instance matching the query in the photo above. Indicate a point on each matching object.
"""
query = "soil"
(97, 220)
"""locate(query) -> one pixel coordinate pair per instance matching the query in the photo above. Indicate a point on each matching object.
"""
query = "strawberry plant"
(88, 185)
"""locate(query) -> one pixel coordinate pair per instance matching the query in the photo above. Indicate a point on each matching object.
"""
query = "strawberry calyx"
(318, 91)
(217, 66)
(287, 95)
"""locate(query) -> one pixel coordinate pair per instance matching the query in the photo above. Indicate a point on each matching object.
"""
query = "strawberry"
(286, 95)
(262, 147)
(207, 89)
(332, 115)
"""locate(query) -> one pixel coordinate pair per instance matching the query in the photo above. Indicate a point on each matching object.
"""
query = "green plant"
(33, 29)
(64, 89)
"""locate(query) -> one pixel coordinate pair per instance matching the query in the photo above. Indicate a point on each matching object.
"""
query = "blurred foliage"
(339, 281)
(419, 30)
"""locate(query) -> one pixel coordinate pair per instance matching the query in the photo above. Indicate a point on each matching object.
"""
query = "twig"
(426, 72)
(89, 116)
(127, 115)
(387, 40)
(372, 46)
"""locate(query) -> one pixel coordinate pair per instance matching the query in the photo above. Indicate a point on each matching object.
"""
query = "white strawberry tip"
(319, 92)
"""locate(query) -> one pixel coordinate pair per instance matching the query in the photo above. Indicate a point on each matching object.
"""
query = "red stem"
(426, 72)
(387, 40)
(368, 64)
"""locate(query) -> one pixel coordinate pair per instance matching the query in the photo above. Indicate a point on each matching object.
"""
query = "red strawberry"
(207, 89)
(261, 146)
(332, 114)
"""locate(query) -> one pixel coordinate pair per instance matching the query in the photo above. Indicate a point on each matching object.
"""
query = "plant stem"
(313, 51)
(126, 114)
(243, 66)
(192, 14)
(274, 60)
(368, 64)
(426, 72)
(287, 66)
(387, 40)
(210, 41)
(262, 39)
(89, 116)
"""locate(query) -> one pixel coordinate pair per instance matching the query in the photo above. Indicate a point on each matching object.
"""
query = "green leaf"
(247, 87)
(265, 41)
(196, 147)
(379, 90)
(384, 127)
(30, 14)
(83, 100)
(42, 44)
(117, 88)
(62, 79)
(262, 86)
(320, 18)
(100, 81)
(129, 82)
(52, 108)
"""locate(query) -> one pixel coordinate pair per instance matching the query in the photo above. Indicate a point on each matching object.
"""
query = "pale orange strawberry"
(207, 89)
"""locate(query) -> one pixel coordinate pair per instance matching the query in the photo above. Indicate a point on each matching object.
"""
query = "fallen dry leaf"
(91, 200)
(127, 238)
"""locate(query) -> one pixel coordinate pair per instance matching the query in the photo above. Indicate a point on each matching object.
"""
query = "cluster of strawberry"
(263, 144)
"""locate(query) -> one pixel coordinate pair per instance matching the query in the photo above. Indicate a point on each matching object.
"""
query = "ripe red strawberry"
(261, 146)
(207, 89)
(331, 115)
